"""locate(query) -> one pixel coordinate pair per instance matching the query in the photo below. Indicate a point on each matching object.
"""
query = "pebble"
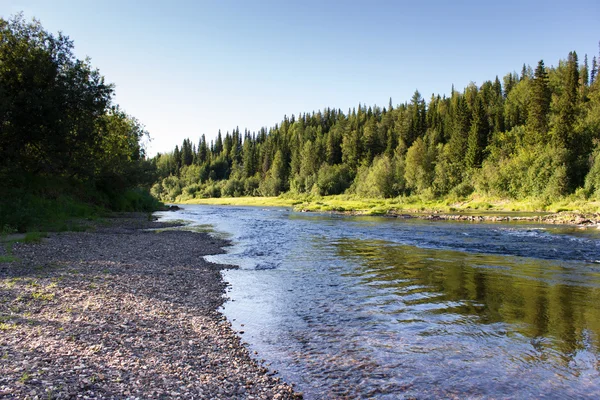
(148, 326)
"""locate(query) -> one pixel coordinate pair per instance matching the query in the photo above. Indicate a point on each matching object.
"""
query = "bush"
(233, 188)
(533, 172)
(333, 179)
(378, 180)
(251, 185)
(211, 190)
(136, 199)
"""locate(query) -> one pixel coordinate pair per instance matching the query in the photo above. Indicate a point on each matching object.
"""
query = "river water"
(374, 307)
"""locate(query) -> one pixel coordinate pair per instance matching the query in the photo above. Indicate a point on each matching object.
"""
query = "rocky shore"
(565, 218)
(560, 218)
(120, 312)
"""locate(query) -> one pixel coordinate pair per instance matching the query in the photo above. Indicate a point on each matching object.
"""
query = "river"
(375, 307)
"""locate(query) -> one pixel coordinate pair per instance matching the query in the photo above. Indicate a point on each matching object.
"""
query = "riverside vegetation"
(527, 142)
(66, 149)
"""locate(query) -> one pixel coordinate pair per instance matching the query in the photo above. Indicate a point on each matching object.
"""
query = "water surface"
(389, 308)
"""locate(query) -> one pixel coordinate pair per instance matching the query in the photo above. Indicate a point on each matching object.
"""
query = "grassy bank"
(247, 201)
(29, 204)
(414, 204)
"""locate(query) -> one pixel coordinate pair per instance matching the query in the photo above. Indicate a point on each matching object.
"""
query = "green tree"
(478, 135)
(187, 154)
(539, 106)
(419, 167)
(567, 104)
(274, 183)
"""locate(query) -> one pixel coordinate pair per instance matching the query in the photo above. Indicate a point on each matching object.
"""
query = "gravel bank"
(120, 313)
(560, 218)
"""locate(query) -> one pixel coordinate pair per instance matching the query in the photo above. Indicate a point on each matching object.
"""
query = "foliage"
(65, 149)
(529, 135)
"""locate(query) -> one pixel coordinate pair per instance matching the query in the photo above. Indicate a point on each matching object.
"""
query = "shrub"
(333, 179)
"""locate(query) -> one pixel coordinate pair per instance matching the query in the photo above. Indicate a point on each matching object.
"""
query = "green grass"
(42, 296)
(246, 201)
(412, 204)
(34, 237)
(37, 204)
(7, 327)
(26, 377)
(8, 258)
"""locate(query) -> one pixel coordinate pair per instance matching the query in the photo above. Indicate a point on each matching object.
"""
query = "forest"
(533, 134)
(66, 150)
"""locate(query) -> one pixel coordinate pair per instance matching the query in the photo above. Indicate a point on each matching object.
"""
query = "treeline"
(65, 147)
(531, 134)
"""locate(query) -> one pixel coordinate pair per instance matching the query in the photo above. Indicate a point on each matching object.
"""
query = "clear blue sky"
(184, 68)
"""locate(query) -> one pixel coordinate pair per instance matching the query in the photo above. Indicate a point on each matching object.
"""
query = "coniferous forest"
(66, 150)
(533, 134)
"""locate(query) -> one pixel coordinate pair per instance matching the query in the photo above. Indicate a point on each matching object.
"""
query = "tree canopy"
(533, 134)
(59, 125)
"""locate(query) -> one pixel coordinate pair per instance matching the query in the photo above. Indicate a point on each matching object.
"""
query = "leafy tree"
(333, 179)
(274, 184)
(419, 167)
(50, 104)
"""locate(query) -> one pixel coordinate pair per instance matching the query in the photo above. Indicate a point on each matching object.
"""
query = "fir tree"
(539, 106)
(478, 135)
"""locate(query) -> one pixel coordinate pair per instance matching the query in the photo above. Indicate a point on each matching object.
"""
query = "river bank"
(561, 218)
(574, 213)
(121, 312)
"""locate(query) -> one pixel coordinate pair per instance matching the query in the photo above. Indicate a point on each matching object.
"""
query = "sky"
(187, 68)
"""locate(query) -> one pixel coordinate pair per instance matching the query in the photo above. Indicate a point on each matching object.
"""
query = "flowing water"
(373, 307)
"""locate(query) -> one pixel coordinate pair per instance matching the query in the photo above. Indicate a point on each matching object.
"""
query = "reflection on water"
(555, 305)
(365, 307)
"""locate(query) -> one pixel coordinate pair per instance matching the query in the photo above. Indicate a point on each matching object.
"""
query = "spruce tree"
(563, 128)
(177, 160)
(202, 150)
(539, 106)
(187, 155)
(218, 148)
(457, 145)
(478, 135)
(248, 157)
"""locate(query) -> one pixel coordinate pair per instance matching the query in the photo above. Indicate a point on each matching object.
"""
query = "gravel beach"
(119, 312)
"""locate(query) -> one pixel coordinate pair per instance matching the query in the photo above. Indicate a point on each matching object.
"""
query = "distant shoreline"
(434, 212)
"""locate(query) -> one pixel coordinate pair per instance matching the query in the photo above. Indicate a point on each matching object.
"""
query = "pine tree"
(539, 106)
(187, 155)
(218, 148)
(509, 83)
(417, 118)
(248, 157)
(524, 74)
(478, 135)
(202, 150)
(563, 128)
(584, 73)
(457, 145)
(177, 160)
